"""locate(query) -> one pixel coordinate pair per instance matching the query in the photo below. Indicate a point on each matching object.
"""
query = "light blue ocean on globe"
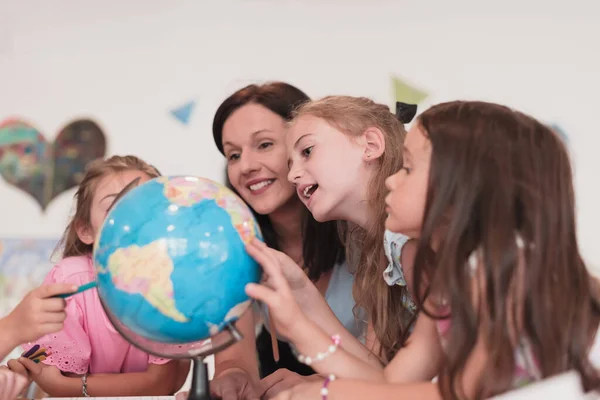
(171, 259)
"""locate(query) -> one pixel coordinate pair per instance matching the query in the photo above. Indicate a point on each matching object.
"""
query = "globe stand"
(200, 389)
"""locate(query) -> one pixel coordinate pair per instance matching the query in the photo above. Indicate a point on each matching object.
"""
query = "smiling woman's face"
(253, 143)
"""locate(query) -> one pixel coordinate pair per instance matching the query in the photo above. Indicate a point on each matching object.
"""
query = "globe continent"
(171, 259)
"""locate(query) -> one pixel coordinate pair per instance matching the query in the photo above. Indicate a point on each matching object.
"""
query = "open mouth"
(260, 185)
(309, 190)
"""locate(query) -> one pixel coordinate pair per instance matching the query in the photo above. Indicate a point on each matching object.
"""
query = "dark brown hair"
(321, 245)
(278, 97)
(496, 173)
(383, 304)
(70, 245)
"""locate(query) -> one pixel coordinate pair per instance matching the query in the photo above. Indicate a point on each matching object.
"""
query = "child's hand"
(294, 275)
(282, 380)
(45, 376)
(18, 368)
(15, 366)
(275, 291)
(38, 314)
(11, 384)
(309, 390)
(234, 384)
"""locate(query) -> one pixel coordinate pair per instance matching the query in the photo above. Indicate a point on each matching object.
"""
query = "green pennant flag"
(406, 92)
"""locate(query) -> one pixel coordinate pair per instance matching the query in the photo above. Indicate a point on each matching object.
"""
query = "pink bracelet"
(321, 356)
(325, 388)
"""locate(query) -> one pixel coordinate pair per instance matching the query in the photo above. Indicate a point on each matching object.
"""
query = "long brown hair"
(496, 173)
(383, 304)
(70, 245)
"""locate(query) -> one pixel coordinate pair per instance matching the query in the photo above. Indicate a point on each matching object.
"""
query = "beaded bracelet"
(325, 388)
(321, 356)
(84, 385)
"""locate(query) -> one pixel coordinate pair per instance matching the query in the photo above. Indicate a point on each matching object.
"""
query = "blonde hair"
(70, 245)
(383, 304)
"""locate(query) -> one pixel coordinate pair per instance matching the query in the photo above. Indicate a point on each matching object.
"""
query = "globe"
(171, 261)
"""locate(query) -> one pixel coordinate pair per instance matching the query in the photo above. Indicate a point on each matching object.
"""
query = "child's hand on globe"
(293, 273)
(283, 278)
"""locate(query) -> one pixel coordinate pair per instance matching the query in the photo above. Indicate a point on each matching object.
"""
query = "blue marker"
(80, 289)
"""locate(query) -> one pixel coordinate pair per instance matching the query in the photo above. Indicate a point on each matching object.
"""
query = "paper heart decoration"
(44, 169)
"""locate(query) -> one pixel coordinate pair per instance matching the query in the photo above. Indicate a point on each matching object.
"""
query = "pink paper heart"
(43, 169)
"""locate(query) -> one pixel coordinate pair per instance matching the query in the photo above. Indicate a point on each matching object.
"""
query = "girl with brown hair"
(340, 149)
(488, 194)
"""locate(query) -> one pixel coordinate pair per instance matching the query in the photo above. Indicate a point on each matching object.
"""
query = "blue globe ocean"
(171, 259)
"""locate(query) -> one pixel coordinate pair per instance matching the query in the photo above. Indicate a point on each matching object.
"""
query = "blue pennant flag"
(184, 112)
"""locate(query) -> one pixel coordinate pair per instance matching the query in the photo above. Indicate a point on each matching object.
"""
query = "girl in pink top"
(88, 356)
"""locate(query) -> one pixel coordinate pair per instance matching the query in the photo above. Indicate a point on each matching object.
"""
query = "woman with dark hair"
(249, 129)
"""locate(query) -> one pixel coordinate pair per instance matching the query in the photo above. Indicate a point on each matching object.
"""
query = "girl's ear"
(84, 232)
(374, 143)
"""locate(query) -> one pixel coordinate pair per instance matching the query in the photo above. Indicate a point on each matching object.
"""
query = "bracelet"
(325, 388)
(321, 356)
(84, 386)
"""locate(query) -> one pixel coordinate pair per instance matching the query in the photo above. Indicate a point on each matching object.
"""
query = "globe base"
(196, 351)
(200, 389)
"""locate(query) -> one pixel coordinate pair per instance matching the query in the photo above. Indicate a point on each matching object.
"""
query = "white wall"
(126, 64)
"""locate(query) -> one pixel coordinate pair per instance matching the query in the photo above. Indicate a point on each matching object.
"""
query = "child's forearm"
(8, 340)
(107, 385)
(421, 357)
(348, 390)
(342, 363)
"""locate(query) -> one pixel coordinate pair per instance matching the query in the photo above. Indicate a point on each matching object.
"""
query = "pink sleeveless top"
(88, 343)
